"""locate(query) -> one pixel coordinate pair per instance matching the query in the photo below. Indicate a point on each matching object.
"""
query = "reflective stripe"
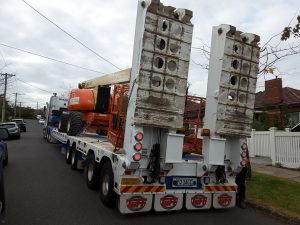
(132, 189)
(216, 188)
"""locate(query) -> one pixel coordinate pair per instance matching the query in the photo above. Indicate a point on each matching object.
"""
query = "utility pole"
(20, 110)
(15, 108)
(37, 108)
(6, 75)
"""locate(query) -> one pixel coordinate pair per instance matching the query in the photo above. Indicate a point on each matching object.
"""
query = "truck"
(53, 111)
(138, 164)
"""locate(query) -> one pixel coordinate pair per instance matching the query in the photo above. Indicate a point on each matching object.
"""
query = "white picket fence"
(281, 146)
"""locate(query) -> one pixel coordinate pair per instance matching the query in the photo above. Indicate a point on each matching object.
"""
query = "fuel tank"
(81, 100)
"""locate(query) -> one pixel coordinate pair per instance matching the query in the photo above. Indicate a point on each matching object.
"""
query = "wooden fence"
(282, 147)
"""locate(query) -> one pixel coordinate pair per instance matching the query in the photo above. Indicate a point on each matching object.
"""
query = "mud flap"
(128, 203)
(224, 200)
(197, 201)
(168, 202)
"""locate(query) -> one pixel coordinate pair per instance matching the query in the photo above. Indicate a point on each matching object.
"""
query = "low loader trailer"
(139, 163)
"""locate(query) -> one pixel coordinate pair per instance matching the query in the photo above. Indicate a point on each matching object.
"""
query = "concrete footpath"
(264, 165)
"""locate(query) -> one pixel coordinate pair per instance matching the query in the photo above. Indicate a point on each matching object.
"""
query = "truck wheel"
(68, 154)
(74, 159)
(75, 124)
(63, 122)
(107, 193)
(92, 172)
(44, 133)
(5, 161)
(2, 194)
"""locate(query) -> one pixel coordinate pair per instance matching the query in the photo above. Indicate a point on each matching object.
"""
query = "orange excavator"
(91, 106)
(99, 106)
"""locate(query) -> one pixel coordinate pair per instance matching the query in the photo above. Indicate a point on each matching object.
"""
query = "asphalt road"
(41, 189)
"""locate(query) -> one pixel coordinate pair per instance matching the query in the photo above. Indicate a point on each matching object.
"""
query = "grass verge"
(277, 194)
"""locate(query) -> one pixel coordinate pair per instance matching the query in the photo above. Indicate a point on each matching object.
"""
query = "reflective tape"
(216, 188)
(132, 189)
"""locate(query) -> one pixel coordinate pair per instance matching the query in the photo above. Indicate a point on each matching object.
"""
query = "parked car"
(21, 123)
(41, 121)
(4, 134)
(13, 129)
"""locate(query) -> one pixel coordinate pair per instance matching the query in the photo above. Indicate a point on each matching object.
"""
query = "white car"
(41, 121)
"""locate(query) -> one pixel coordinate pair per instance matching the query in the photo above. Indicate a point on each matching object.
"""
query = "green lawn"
(274, 193)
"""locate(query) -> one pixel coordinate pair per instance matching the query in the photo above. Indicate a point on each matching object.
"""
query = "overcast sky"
(108, 27)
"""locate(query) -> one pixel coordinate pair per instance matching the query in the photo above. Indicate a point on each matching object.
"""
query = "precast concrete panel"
(235, 67)
(163, 66)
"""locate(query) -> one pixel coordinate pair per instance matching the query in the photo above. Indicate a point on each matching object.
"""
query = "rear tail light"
(136, 157)
(139, 136)
(138, 146)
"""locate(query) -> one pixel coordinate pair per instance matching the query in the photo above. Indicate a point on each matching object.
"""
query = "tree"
(287, 31)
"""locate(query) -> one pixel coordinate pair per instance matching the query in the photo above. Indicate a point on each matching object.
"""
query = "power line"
(46, 57)
(34, 86)
(97, 54)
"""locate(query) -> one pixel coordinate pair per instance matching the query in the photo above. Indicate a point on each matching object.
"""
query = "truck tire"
(2, 193)
(44, 133)
(75, 124)
(5, 161)
(48, 138)
(107, 193)
(74, 159)
(63, 122)
(92, 172)
(68, 154)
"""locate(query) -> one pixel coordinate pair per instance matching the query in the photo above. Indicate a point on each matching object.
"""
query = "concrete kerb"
(282, 217)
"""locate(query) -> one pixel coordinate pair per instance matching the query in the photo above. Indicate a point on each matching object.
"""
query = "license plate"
(184, 182)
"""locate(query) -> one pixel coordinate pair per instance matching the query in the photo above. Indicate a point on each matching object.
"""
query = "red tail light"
(136, 157)
(138, 146)
(139, 136)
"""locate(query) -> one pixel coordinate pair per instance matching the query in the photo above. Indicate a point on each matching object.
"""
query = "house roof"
(290, 96)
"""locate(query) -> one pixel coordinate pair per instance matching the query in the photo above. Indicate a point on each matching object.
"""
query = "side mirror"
(3, 133)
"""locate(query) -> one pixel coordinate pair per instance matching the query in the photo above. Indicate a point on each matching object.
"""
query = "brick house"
(278, 106)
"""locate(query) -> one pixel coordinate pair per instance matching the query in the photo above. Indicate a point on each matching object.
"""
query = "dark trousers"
(240, 181)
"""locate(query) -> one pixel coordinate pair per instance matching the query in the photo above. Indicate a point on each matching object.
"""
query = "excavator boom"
(120, 77)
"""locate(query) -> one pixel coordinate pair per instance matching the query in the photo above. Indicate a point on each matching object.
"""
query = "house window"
(294, 118)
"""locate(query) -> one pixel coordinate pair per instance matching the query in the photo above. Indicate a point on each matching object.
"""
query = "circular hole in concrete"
(235, 48)
(235, 64)
(159, 62)
(161, 44)
(164, 25)
(242, 98)
(231, 96)
(174, 48)
(246, 67)
(172, 66)
(244, 82)
(170, 83)
(233, 80)
(176, 29)
(156, 81)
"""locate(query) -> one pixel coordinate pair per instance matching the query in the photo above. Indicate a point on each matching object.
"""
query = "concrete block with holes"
(162, 51)
(232, 78)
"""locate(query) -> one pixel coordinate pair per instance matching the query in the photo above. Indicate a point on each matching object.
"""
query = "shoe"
(242, 205)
